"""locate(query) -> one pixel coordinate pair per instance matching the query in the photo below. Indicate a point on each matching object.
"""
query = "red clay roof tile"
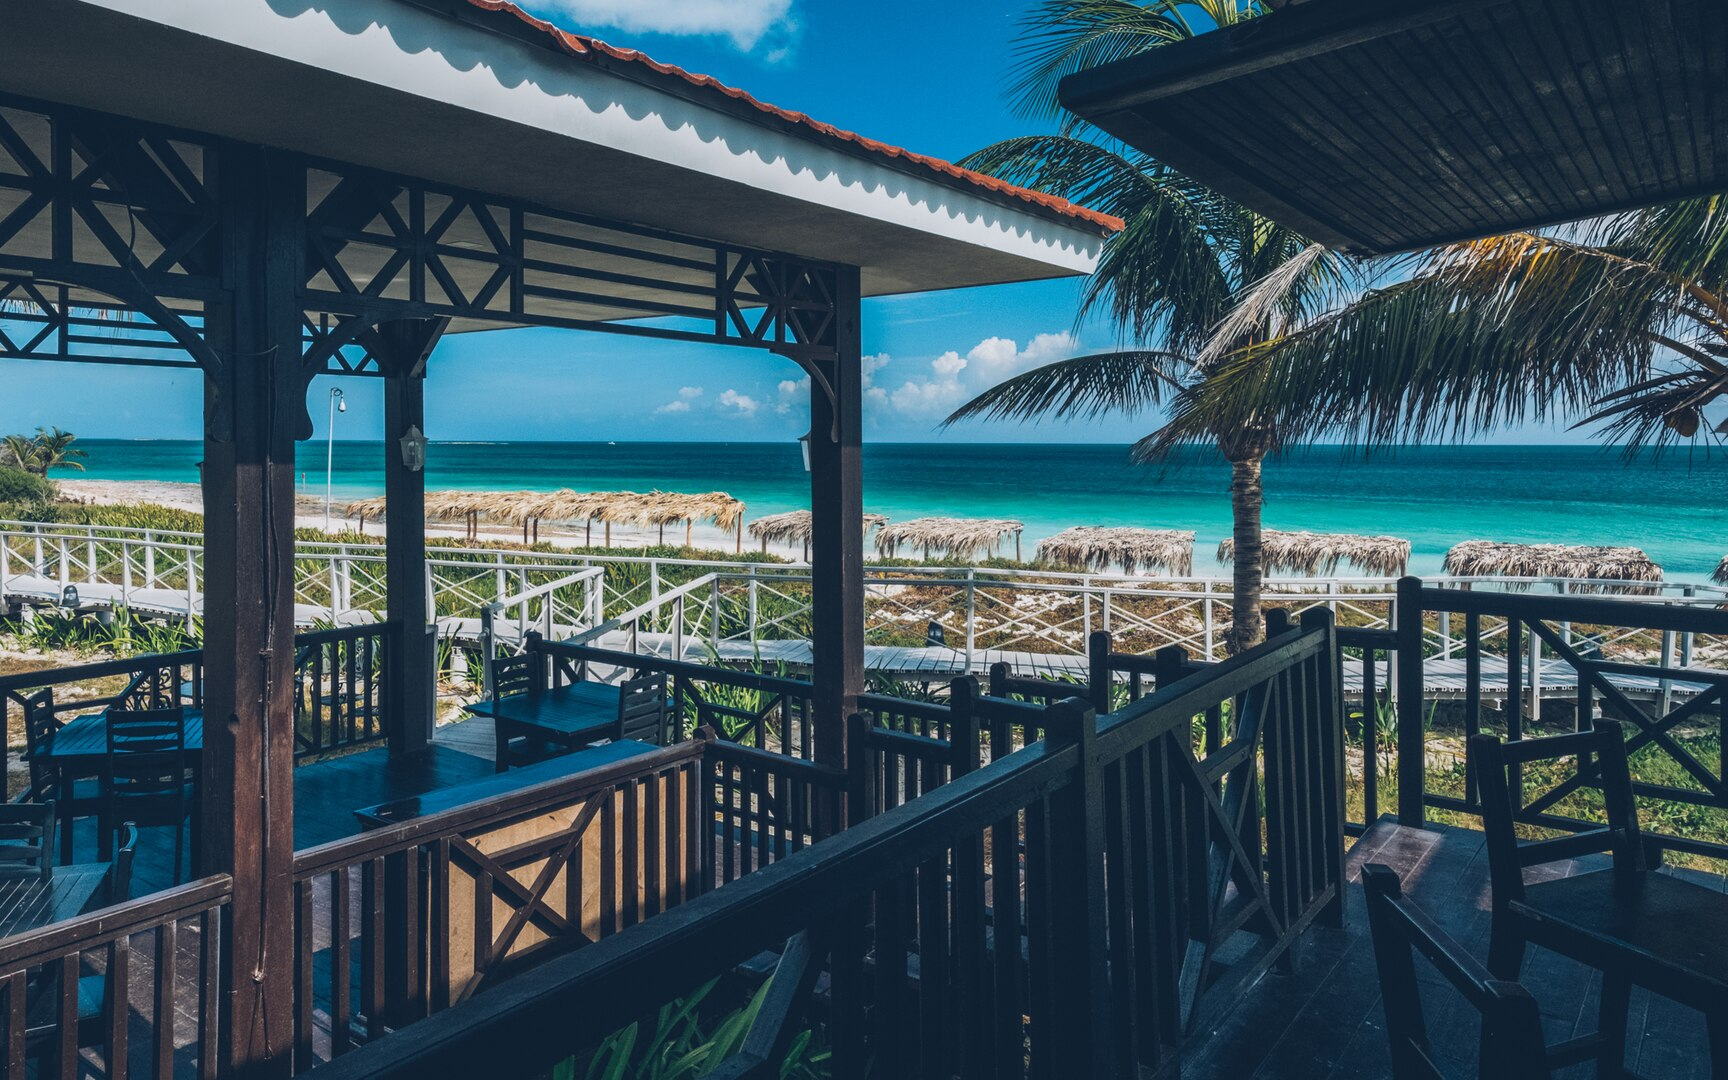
(579, 45)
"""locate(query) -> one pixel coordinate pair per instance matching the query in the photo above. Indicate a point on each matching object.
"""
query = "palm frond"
(1061, 37)
(1163, 276)
(1488, 333)
(1080, 387)
(1281, 301)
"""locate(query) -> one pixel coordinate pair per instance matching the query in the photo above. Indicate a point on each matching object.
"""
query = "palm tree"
(1176, 275)
(20, 451)
(49, 448)
(1622, 321)
(56, 450)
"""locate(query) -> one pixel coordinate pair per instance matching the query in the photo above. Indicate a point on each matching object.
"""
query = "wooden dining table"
(574, 715)
(29, 901)
(79, 747)
(79, 751)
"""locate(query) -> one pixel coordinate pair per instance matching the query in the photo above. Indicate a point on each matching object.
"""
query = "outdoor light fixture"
(69, 596)
(804, 445)
(413, 449)
(338, 403)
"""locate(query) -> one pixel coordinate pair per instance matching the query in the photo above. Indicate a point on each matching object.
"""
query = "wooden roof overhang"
(1378, 126)
(461, 161)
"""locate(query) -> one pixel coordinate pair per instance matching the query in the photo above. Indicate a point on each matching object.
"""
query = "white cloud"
(792, 392)
(686, 395)
(746, 23)
(955, 379)
(743, 404)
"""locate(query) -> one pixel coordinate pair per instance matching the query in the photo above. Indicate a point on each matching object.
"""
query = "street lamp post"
(338, 403)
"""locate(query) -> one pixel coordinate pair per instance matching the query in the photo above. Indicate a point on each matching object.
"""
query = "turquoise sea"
(1676, 508)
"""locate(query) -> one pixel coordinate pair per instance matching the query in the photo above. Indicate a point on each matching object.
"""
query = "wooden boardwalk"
(1325, 1020)
(177, 604)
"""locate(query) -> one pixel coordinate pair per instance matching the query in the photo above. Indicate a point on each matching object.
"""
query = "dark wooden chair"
(146, 778)
(96, 992)
(1511, 1042)
(81, 797)
(513, 745)
(1636, 926)
(642, 711)
(26, 839)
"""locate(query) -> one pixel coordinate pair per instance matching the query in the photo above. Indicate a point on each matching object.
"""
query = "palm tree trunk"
(1246, 500)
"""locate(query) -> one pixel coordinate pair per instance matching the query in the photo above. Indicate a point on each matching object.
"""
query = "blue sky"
(927, 76)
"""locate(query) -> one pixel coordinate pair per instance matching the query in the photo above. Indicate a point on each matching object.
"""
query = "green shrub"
(18, 486)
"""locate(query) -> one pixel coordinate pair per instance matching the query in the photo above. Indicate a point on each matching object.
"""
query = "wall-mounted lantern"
(414, 449)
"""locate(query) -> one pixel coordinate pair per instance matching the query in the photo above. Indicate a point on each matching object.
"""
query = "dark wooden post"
(1411, 752)
(1328, 817)
(837, 530)
(254, 408)
(1080, 1027)
(1098, 665)
(401, 348)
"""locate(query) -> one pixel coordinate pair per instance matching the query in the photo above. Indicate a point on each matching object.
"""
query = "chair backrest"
(1601, 762)
(513, 675)
(146, 762)
(120, 870)
(1511, 1042)
(26, 838)
(642, 709)
(40, 724)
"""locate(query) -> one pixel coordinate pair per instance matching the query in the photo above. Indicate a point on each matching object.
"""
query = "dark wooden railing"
(154, 957)
(1074, 907)
(769, 712)
(339, 679)
(1372, 650)
(338, 694)
(408, 920)
(764, 806)
(1657, 698)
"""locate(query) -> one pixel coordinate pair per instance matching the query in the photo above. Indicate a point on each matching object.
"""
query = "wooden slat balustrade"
(404, 921)
(769, 712)
(339, 700)
(1678, 706)
(155, 956)
(1074, 907)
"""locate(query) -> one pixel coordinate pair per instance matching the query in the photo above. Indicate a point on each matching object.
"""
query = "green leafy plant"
(682, 1047)
(24, 488)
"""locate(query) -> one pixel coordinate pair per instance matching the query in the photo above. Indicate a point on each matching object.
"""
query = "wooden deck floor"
(327, 792)
(1325, 1021)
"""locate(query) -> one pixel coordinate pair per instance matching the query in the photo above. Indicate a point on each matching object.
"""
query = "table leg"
(63, 784)
(1611, 1023)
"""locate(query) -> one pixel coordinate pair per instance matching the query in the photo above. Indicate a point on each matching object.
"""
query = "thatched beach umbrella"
(965, 538)
(796, 526)
(1720, 577)
(1086, 547)
(464, 506)
(364, 509)
(1320, 553)
(573, 506)
(1474, 558)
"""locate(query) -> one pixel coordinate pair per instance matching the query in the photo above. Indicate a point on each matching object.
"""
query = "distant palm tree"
(1175, 276)
(49, 448)
(1622, 321)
